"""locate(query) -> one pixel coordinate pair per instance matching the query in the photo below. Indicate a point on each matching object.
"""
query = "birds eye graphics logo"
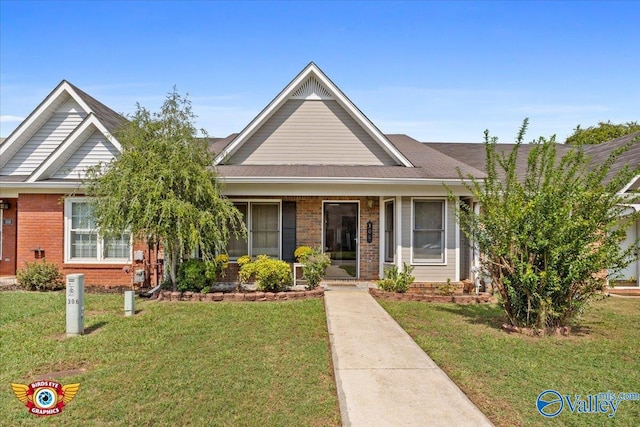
(45, 397)
(549, 403)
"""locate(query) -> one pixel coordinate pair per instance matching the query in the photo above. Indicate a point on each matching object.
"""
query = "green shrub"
(244, 259)
(447, 289)
(192, 275)
(314, 265)
(271, 275)
(395, 280)
(302, 252)
(40, 276)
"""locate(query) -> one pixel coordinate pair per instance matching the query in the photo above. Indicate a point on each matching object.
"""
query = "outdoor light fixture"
(4, 205)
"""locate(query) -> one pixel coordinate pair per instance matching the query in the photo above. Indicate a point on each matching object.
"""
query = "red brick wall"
(9, 238)
(41, 225)
(309, 228)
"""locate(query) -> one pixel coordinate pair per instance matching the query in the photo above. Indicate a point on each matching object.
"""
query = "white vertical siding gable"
(45, 140)
(311, 132)
(97, 148)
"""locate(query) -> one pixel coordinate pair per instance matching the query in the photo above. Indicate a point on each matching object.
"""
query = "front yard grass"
(249, 364)
(504, 374)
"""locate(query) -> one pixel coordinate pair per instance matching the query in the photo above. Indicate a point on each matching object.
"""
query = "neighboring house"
(311, 169)
(41, 163)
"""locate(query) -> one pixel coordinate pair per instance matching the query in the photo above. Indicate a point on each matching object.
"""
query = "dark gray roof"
(600, 152)
(474, 153)
(109, 118)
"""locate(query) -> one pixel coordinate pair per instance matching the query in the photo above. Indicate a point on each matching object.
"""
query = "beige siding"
(95, 149)
(45, 140)
(314, 133)
(430, 273)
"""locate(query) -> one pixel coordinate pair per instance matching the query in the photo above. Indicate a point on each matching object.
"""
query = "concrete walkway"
(383, 377)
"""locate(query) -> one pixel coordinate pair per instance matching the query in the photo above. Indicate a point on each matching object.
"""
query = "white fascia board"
(334, 180)
(633, 181)
(6, 151)
(312, 70)
(39, 187)
(71, 143)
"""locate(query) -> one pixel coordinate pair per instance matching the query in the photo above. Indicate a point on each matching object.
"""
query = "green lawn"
(249, 364)
(504, 374)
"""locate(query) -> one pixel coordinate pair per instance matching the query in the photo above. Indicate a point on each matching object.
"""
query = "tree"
(604, 131)
(162, 187)
(548, 237)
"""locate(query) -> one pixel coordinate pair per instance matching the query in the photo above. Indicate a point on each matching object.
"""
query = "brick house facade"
(311, 169)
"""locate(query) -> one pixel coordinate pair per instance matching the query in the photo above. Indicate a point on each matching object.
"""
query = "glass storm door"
(341, 239)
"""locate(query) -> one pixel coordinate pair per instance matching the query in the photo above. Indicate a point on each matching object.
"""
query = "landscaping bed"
(456, 298)
(255, 296)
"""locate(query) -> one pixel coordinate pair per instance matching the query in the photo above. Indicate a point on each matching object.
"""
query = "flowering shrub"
(271, 275)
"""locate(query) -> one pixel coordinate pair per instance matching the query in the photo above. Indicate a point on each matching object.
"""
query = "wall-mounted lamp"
(4, 205)
(370, 203)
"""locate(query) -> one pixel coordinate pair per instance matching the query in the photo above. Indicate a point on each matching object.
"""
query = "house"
(311, 169)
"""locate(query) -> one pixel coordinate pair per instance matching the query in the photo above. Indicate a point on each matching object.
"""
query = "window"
(428, 235)
(389, 234)
(83, 242)
(263, 228)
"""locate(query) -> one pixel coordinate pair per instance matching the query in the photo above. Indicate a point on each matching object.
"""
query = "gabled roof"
(312, 84)
(94, 116)
(69, 146)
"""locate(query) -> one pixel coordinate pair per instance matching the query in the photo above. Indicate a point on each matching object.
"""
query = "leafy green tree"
(604, 131)
(548, 237)
(162, 187)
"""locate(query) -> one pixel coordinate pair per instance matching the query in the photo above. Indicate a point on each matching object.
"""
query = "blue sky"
(437, 71)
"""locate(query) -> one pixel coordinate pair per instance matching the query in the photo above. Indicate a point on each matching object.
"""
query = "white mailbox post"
(75, 305)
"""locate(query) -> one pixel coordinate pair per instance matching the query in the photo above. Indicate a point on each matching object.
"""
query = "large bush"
(192, 276)
(548, 233)
(271, 275)
(41, 276)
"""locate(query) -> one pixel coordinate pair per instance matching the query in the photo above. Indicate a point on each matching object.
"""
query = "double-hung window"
(428, 234)
(83, 241)
(262, 219)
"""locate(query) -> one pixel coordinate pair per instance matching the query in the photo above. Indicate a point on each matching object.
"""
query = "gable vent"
(311, 89)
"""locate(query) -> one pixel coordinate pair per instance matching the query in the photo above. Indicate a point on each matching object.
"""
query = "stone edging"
(458, 299)
(240, 296)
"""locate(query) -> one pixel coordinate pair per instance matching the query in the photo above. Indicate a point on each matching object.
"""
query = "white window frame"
(248, 223)
(445, 236)
(393, 233)
(99, 259)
